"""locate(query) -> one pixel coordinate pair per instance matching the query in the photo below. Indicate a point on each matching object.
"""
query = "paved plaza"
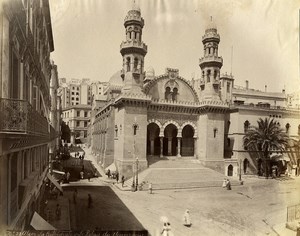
(259, 207)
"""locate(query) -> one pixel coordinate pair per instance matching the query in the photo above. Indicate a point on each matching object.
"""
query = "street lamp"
(137, 174)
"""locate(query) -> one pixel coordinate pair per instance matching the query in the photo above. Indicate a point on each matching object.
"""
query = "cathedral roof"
(116, 79)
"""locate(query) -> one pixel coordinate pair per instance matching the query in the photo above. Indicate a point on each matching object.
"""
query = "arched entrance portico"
(153, 140)
(170, 140)
(187, 143)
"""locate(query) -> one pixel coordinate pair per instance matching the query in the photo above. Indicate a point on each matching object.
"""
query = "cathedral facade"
(144, 116)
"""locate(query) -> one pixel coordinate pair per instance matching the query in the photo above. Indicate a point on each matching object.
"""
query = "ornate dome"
(116, 79)
(211, 25)
(150, 72)
(135, 7)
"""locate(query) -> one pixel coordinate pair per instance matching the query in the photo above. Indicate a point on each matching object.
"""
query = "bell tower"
(210, 64)
(133, 51)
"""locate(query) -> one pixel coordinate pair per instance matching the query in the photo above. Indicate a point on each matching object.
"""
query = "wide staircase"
(179, 173)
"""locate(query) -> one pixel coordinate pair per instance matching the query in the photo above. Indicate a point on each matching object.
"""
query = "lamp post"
(137, 174)
(240, 172)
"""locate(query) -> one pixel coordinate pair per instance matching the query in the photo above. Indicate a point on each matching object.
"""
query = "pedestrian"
(117, 176)
(89, 176)
(79, 157)
(224, 183)
(81, 174)
(58, 212)
(166, 231)
(68, 176)
(150, 188)
(90, 201)
(75, 196)
(123, 180)
(228, 186)
(187, 219)
(108, 173)
(95, 173)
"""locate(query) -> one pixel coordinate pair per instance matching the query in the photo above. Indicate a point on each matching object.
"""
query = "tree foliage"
(266, 137)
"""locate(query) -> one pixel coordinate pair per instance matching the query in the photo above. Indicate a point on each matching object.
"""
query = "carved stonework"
(179, 118)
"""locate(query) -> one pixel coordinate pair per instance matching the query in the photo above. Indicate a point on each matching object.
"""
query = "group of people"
(81, 157)
(89, 199)
(167, 231)
(115, 175)
(226, 184)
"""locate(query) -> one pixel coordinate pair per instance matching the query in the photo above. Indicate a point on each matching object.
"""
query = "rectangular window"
(85, 134)
(85, 114)
(77, 123)
(77, 99)
(14, 171)
(228, 87)
(14, 88)
(72, 98)
(77, 88)
(85, 124)
(78, 113)
(73, 93)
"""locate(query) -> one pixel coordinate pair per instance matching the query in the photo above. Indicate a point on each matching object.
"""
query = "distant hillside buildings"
(76, 98)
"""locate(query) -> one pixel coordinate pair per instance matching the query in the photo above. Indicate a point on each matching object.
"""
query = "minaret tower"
(210, 64)
(133, 51)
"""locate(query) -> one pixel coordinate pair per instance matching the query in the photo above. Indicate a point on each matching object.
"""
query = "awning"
(58, 172)
(38, 223)
(279, 157)
(50, 177)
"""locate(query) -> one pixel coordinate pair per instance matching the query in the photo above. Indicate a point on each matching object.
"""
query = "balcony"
(133, 46)
(211, 61)
(18, 117)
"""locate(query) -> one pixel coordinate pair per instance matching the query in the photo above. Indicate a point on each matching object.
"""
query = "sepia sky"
(264, 36)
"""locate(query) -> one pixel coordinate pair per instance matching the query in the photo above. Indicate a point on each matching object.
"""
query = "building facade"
(25, 131)
(78, 91)
(78, 119)
(145, 115)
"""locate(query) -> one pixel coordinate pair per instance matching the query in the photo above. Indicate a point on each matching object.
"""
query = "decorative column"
(161, 146)
(195, 147)
(169, 146)
(152, 147)
(178, 146)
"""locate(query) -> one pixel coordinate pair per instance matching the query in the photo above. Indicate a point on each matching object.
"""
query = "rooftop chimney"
(247, 84)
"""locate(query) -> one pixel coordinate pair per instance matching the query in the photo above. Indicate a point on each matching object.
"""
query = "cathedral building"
(145, 116)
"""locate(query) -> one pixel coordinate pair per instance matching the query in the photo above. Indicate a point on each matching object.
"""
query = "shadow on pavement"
(107, 211)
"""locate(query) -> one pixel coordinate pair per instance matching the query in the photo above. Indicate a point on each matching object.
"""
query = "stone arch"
(167, 123)
(156, 122)
(191, 124)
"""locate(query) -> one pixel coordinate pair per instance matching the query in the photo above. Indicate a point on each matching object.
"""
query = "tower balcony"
(133, 47)
(19, 117)
(211, 37)
(211, 61)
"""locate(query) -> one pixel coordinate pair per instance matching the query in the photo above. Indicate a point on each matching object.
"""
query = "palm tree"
(267, 137)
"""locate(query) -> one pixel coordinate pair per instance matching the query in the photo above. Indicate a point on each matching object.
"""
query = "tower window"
(135, 63)
(228, 87)
(215, 74)
(128, 64)
(208, 76)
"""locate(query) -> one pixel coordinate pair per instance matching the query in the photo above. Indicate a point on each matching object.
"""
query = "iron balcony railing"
(18, 116)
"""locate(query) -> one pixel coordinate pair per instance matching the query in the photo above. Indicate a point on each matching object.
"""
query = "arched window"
(136, 61)
(208, 76)
(246, 126)
(167, 93)
(287, 127)
(230, 170)
(174, 94)
(128, 64)
(215, 74)
(135, 128)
